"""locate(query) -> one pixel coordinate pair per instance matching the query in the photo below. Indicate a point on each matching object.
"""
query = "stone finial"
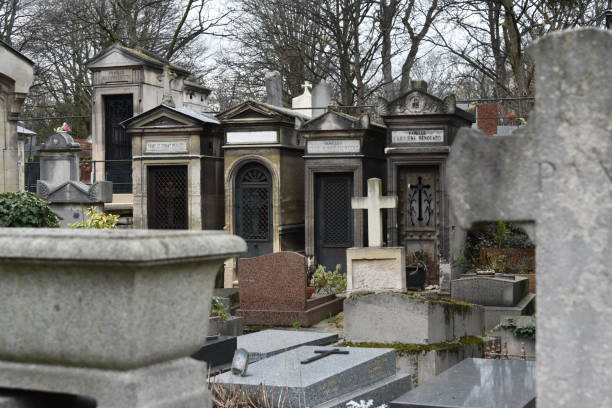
(420, 84)
(274, 88)
(321, 98)
(167, 77)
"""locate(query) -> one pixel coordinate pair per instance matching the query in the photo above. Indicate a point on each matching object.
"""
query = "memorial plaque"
(116, 75)
(167, 147)
(333, 146)
(418, 136)
(260, 136)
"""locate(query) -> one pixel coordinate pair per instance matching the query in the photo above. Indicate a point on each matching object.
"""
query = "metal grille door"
(118, 144)
(254, 208)
(167, 197)
(333, 218)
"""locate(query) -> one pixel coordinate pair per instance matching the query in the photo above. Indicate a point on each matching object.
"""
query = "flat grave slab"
(476, 383)
(267, 343)
(324, 381)
(494, 290)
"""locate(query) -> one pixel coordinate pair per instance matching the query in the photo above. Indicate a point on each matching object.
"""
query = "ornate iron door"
(167, 197)
(419, 216)
(333, 218)
(254, 208)
(118, 145)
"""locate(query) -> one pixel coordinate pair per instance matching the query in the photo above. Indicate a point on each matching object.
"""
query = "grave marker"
(557, 172)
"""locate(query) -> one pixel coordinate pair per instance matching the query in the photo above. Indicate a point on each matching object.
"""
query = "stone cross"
(557, 172)
(373, 203)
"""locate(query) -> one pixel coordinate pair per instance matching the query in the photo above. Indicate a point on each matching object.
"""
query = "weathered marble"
(376, 269)
(557, 171)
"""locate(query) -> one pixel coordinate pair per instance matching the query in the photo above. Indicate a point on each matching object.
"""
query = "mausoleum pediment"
(254, 110)
(417, 102)
(338, 121)
(119, 56)
(168, 116)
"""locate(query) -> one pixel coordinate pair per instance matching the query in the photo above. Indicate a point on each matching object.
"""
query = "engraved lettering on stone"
(167, 147)
(333, 146)
(117, 75)
(418, 136)
(546, 171)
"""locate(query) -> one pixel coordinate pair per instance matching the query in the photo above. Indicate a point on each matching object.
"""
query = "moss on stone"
(403, 349)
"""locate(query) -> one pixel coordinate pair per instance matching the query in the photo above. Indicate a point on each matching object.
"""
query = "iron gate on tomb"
(333, 218)
(419, 216)
(167, 197)
(118, 145)
(254, 208)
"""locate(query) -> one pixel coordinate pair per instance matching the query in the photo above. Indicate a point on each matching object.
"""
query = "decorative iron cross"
(374, 202)
(419, 188)
(322, 354)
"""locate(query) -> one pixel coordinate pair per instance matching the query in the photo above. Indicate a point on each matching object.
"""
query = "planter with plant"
(328, 282)
(218, 316)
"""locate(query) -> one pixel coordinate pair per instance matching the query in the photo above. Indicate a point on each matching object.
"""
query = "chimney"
(321, 98)
(274, 88)
(420, 85)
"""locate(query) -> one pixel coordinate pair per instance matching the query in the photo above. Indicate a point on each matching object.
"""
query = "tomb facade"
(342, 152)
(16, 77)
(420, 131)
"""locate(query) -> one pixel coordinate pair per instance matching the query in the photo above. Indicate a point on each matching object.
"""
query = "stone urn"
(111, 314)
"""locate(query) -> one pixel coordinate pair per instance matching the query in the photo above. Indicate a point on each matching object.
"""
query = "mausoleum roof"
(333, 120)
(15, 52)
(144, 56)
(200, 117)
(264, 107)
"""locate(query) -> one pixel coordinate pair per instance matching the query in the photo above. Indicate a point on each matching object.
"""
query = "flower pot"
(309, 291)
(110, 299)
(214, 327)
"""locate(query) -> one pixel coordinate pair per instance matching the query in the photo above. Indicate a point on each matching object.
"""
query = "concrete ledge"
(494, 314)
(409, 318)
(167, 385)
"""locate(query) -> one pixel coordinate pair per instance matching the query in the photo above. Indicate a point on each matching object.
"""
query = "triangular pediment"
(115, 58)
(333, 121)
(418, 102)
(161, 116)
(120, 56)
(249, 110)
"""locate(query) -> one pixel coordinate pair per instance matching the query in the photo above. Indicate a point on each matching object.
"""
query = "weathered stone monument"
(16, 77)
(557, 171)
(60, 180)
(110, 315)
(375, 268)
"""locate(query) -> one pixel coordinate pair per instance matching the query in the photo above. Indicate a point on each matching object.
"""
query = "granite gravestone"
(273, 292)
(60, 182)
(327, 382)
(476, 383)
(267, 343)
(375, 268)
(558, 172)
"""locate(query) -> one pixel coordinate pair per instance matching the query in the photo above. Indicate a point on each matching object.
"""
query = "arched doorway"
(253, 209)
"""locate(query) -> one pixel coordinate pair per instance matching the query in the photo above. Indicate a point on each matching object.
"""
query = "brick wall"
(487, 117)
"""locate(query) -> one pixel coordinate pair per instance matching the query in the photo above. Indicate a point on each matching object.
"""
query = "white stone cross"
(373, 203)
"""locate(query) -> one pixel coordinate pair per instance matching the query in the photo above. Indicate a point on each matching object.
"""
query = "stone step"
(317, 382)
(381, 392)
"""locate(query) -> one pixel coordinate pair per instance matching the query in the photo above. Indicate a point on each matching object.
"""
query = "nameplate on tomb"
(250, 137)
(332, 146)
(418, 136)
(166, 147)
(116, 75)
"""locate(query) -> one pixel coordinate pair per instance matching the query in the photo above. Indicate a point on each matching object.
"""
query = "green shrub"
(329, 281)
(98, 220)
(24, 210)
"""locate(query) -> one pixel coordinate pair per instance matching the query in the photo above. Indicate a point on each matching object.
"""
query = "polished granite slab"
(476, 383)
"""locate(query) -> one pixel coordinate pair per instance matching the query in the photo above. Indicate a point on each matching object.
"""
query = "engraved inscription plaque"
(332, 146)
(116, 75)
(167, 147)
(418, 136)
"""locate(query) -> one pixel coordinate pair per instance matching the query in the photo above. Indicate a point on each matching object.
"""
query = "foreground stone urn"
(113, 315)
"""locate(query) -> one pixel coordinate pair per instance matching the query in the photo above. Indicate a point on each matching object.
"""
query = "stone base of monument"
(329, 382)
(506, 383)
(391, 317)
(177, 383)
(376, 269)
(494, 314)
